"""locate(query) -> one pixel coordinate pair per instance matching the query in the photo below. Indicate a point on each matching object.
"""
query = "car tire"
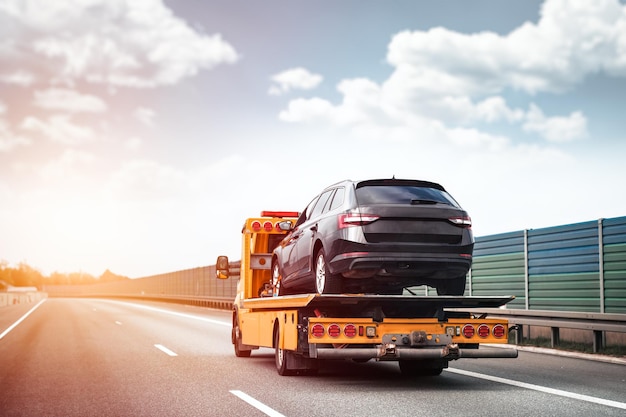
(325, 282)
(454, 286)
(276, 279)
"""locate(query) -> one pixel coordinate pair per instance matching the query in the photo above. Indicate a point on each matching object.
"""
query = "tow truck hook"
(451, 351)
(388, 349)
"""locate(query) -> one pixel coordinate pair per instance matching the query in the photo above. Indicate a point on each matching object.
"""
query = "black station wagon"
(376, 236)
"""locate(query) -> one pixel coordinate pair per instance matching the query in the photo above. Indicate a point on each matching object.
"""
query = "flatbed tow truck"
(421, 333)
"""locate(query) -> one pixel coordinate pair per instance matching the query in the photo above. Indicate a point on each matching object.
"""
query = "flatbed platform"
(387, 305)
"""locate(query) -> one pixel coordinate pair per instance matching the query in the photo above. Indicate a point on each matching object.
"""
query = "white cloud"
(145, 116)
(60, 129)
(294, 79)
(68, 166)
(19, 77)
(461, 80)
(556, 129)
(146, 180)
(8, 140)
(69, 100)
(120, 43)
(573, 38)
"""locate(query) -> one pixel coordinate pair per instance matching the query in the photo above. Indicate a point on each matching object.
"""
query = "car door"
(308, 230)
(288, 256)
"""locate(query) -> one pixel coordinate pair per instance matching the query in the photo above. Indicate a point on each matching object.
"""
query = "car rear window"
(402, 194)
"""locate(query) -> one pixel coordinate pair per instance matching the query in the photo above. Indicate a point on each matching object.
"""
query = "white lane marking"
(173, 313)
(256, 404)
(11, 327)
(165, 350)
(547, 390)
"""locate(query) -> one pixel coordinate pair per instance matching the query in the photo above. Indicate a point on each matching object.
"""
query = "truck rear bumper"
(389, 352)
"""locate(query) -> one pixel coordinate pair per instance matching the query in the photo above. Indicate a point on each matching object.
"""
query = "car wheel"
(454, 286)
(276, 278)
(325, 282)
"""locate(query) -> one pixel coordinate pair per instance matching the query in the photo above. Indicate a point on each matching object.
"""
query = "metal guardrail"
(599, 323)
(219, 303)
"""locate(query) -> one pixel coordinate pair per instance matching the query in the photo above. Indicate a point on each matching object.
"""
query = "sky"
(137, 135)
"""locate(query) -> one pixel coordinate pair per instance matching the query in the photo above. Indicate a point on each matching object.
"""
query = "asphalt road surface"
(93, 357)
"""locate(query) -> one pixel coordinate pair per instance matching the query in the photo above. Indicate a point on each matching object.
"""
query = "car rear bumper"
(400, 265)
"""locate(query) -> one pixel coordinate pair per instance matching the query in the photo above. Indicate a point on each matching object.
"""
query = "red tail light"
(317, 330)
(355, 219)
(334, 330)
(349, 330)
(483, 331)
(468, 331)
(268, 226)
(499, 331)
(256, 226)
(464, 221)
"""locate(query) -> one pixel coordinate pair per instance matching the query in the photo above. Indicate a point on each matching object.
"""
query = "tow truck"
(421, 333)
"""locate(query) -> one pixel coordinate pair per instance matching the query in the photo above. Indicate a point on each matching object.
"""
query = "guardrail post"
(598, 340)
(555, 338)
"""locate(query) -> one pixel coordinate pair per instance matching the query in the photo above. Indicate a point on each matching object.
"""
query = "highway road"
(94, 357)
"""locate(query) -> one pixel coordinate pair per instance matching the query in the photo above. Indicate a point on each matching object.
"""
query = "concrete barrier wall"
(13, 298)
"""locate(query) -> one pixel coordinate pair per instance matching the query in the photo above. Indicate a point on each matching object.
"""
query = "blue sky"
(136, 136)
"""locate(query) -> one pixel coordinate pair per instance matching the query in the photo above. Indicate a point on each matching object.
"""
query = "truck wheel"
(325, 282)
(411, 368)
(237, 343)
(280, 357)
(454, 286)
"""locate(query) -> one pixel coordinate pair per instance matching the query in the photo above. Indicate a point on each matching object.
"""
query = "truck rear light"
(268, 226)
(317, 330)
(334, 330)
(464, 221)
(468, 331)
(256, 226)
(498, 331)
(483, 331)
(349, 330)
(354, 218)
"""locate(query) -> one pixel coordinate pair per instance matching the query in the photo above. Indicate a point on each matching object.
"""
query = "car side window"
(319, 206)
(337, 199)
(306, 213)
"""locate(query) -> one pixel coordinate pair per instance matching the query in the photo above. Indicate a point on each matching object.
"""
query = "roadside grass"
(612, 350)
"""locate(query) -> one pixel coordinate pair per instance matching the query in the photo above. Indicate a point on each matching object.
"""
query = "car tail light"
(498, 331)
(317, 330)
(268, 226)
(349, 330)
(334, 330)
(464, 221)
(256, 226)
(468, 331)
(354, 218)
(483, 331)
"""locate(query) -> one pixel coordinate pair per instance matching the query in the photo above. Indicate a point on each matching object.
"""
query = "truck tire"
(237, 343)
(453, 286)
(325, 282)
(280, 356)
